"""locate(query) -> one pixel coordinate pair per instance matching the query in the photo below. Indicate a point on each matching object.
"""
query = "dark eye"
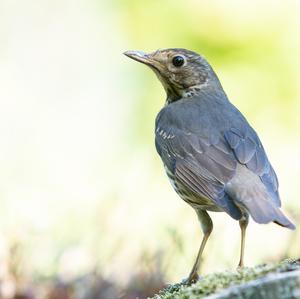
(178, 61)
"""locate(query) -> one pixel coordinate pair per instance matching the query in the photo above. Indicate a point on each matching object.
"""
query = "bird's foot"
(193, 278)
(240, 267)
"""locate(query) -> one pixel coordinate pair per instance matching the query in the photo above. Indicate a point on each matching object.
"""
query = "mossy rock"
(268, 281)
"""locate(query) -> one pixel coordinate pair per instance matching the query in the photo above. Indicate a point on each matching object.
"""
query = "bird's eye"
(178, 61)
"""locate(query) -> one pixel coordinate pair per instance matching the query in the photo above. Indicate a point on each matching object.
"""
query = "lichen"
(213, 283)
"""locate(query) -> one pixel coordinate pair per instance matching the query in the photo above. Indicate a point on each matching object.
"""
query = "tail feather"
(264, 211)
(247, 191)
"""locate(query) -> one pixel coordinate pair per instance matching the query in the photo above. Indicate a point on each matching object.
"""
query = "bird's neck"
(206, 90)
(174, 95)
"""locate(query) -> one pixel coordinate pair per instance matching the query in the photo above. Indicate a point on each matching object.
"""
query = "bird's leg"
(243, 225)
(207, 227)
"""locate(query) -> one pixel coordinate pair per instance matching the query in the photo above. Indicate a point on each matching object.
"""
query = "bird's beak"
(143, 58)
(137, 55)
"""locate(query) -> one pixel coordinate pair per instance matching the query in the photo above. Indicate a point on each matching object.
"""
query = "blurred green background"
(86, 208)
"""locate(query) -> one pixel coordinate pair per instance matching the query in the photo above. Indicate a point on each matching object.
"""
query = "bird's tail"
(265, 211)
(253, 196)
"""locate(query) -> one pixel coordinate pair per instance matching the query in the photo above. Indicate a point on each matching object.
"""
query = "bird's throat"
(174, 94)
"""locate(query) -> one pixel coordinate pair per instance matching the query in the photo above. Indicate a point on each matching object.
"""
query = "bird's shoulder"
(205, 119)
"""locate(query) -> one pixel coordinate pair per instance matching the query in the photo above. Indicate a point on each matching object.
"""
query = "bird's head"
(182, 72)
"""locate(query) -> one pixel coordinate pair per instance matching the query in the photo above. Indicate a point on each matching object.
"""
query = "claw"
(193, 278)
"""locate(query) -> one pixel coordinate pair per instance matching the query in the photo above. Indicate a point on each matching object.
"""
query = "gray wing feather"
(201, 166)
(243, 146)
(250, 152)
(204, 156)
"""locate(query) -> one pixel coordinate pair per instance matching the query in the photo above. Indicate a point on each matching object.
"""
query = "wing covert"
(249, 151)
(200, 165)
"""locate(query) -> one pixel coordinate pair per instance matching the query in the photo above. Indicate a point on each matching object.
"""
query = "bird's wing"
(206, 165)
(254, 186)
(203, 165)
(249, 151)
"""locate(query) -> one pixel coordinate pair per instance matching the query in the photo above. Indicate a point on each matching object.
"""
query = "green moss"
(215, 282)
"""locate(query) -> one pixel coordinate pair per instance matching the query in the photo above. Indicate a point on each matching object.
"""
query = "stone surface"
(276, 286)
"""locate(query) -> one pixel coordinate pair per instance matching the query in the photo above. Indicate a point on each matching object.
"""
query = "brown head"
(182, 72)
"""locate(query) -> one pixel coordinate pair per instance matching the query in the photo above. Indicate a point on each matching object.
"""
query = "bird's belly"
(196, 201)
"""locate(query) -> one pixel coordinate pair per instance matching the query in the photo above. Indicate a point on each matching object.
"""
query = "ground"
(239, 281)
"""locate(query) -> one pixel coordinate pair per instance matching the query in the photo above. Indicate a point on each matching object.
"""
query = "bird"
(213, 157)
